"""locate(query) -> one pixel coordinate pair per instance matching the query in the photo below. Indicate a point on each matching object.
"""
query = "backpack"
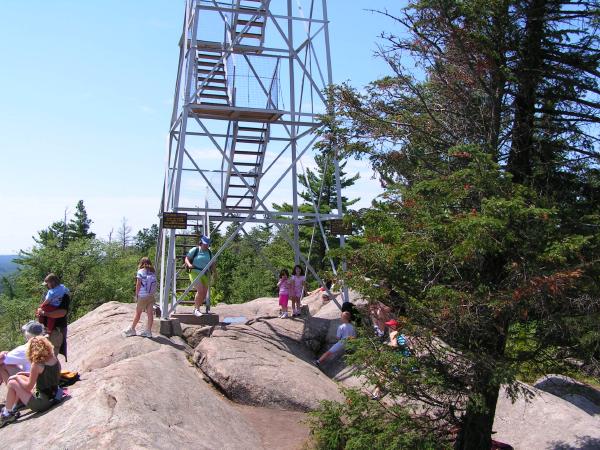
(195, 253)
(149, 283)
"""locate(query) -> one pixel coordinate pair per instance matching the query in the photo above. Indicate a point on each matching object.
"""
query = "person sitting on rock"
(15, 361)
(345, 331)
(398, 342)
(44, 377)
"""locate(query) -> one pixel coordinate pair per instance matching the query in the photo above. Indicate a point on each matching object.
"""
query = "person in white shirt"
(15, 361)
(345, 331)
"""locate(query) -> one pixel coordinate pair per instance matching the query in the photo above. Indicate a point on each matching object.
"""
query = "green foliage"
(360, 423)
(146, 239)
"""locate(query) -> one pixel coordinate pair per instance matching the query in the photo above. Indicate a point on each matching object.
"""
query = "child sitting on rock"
(345, 331)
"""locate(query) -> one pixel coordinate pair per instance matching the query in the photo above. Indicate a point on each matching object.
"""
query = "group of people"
(291, 288)
(31, 371)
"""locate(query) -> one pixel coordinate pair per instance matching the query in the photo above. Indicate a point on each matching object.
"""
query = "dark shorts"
(39, 402)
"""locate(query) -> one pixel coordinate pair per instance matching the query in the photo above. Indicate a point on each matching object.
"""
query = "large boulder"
(265, 363)
(546, 421)
(134, 393)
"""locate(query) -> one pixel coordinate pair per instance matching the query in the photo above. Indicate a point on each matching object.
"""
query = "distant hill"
(7, 265)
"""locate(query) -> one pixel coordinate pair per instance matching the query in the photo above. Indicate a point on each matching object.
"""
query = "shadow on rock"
(581, 395)
(583, 443)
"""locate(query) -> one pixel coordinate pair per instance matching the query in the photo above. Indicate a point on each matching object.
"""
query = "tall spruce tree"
(490, 168)
(79, 225)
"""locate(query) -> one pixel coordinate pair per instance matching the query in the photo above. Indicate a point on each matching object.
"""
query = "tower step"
(245, 175)
(245, 164)
(215, 56)
(212, 72)
(251, 129)
(208, 87)
(247, 152)
(252, 23)
(249, 35)
(209, 63)
(251, 186)
(214, 80)
(215, 96)
(250, 141)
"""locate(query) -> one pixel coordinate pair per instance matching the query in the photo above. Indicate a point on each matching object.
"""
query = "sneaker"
(317, 363)
(18, 406)
(129, 332)
(5, 419)
(284, 315)
(59, 394)
(146, 333)
(197, 312)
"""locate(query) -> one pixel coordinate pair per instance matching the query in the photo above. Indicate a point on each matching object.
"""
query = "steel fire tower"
(249, 93)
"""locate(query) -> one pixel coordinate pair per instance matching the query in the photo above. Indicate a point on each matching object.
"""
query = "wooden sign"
(174, 221)
(339, 226)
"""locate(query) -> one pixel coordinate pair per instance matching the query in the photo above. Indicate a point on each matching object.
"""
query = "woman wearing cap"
(15, 361)
(196, 260)
(44, 377)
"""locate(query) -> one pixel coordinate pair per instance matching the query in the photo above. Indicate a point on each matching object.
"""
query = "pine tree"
(489, 168)
(79, 225)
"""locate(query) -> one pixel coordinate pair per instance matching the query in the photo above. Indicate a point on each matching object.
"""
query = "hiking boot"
(8, 418)
(129, 332)
(146, 333)
(197, 312)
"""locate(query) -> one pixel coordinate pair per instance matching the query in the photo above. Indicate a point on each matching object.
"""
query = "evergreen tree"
(320, 188)
(146, 238)
(494, 276)
(79, 225)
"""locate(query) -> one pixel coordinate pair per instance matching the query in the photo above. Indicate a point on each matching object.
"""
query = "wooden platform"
(190, 319)
(235, 113)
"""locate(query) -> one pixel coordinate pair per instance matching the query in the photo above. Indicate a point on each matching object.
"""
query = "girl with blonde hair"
(145, 287)
(44, 376)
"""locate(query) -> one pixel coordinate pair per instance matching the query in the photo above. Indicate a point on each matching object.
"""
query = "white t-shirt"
(148, 280)
(346, 330)
(16, 357)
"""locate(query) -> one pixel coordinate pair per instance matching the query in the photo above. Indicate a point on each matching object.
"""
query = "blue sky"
(86, 92)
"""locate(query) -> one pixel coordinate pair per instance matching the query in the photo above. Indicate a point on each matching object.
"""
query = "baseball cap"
(205, 240)
(392, 323)
(34, 328)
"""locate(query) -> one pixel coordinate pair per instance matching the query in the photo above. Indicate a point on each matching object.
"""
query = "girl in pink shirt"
(284, 293)
(298, 286)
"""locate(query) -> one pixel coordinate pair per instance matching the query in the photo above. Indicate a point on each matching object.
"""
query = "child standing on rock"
(298, 285)
(284, 293)
(145, 287)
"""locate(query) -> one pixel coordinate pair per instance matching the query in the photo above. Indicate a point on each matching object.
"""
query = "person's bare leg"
(324, 357)
(136, 317)
(202, 291)
(150, 314)
(16, 391)
(3, 374)
(198, 298)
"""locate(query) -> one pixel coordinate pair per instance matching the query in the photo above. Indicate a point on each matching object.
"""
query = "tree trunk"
(529, 72)
(476, 432)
